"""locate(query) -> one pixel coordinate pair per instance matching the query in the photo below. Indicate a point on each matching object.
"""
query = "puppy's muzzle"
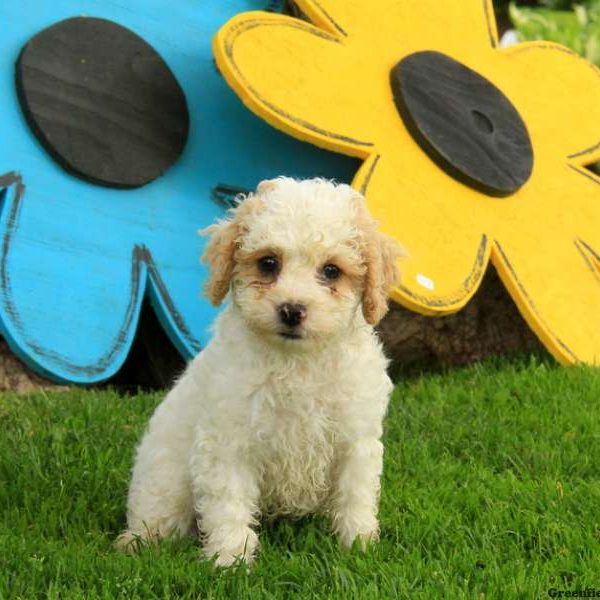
(291, 315)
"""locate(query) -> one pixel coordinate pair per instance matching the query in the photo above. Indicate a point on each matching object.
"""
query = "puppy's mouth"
(290, 335)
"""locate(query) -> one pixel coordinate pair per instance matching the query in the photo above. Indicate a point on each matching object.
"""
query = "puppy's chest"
(295, 451)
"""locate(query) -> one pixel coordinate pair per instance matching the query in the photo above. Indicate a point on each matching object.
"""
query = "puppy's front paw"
(365, 531)
(238, 545)
(131, 542)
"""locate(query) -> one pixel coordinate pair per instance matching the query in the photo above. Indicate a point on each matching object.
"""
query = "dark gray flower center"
(463, 122)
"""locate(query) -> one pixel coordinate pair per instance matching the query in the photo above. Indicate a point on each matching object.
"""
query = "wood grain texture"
(463, 122)
(79, 260)
(328, 82)
(102, 102)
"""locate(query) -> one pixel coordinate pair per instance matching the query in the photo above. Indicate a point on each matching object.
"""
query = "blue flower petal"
(76, 258)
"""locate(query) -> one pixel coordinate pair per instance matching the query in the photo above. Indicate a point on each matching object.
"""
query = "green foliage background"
(554, 4)
(572, 24)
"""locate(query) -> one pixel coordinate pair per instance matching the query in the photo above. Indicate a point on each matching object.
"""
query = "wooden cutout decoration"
(464, 122)
(77, 259)
(327, 81)
(102, 101)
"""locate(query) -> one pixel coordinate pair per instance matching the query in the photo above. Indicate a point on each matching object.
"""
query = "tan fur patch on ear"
(381, 254)
(220, 257)
(266, 186)
(225, 239)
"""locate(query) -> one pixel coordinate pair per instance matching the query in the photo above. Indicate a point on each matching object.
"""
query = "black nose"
(292, 314)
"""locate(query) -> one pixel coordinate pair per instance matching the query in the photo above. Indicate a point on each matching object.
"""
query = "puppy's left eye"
(331, 272)
(269, 265)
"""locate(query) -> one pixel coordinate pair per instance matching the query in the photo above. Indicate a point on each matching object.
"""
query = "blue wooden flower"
(77, 257)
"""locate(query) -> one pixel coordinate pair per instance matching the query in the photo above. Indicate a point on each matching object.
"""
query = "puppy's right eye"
(268, 265)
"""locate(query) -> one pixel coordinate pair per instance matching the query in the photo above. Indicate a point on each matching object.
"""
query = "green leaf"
(578, 29)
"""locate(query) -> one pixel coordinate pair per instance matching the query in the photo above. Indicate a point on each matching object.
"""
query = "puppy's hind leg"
(160, 496)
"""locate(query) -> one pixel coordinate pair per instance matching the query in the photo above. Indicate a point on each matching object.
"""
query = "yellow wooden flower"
(329, 82)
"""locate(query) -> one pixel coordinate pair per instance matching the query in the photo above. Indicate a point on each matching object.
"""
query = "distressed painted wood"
(102, 102)
(327, 81)
(76, 259)
(463, 122)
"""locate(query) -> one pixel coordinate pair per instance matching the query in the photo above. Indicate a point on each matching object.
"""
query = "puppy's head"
(300, 259)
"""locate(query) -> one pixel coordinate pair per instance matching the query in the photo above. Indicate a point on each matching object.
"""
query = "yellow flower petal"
(582, 209)
(558, 95)
(329, 83)
(336, 16)
(557, 289)
(393, 18)
(273, 62)
(447, 250)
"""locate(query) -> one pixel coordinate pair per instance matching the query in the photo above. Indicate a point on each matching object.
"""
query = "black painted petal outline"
(143, 270)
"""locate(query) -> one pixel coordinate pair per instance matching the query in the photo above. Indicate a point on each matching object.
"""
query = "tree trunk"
(16, 377)
(490, 325)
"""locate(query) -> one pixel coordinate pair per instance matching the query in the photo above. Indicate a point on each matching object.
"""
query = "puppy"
(281, 414)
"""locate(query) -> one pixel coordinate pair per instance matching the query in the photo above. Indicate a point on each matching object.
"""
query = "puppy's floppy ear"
(266, 186)
(381, 254)
(225, 238)
(220, 257)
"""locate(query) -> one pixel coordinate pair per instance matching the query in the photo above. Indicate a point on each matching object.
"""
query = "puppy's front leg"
(225, 497)
(356, 496)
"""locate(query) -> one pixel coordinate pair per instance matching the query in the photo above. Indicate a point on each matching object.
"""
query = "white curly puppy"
(282, 413)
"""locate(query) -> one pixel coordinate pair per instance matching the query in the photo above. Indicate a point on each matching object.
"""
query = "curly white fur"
(261, 422)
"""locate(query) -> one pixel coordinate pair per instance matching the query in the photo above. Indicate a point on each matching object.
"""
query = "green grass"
(491, 489)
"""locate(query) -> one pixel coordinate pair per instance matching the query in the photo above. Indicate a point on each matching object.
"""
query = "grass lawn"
(491, 489)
